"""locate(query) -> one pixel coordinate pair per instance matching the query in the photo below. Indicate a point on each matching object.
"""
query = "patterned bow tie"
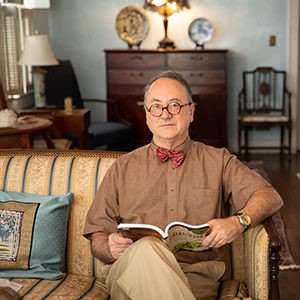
(177, 156)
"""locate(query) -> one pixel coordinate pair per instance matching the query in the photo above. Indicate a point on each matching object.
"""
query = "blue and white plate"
(200, 32)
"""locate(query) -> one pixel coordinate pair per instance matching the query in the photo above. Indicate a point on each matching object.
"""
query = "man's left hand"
(223, 231)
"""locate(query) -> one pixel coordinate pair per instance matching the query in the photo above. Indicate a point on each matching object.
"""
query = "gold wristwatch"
(244, 220)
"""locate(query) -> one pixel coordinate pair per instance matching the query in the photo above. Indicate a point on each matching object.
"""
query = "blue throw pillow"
(33, 234)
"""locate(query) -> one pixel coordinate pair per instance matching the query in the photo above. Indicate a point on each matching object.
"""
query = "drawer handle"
(197, 57)
(135, 74)
(196, 75)
(134, 57)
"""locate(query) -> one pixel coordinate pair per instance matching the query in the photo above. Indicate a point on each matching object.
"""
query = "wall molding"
(293, 68)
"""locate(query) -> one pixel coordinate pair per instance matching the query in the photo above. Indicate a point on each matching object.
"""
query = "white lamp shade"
(37, 52)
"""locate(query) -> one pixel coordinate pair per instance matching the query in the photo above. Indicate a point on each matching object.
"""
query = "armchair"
(264, 102)
(61, 82)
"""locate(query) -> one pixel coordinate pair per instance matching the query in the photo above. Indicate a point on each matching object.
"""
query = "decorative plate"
(132, 25)
(200, 32)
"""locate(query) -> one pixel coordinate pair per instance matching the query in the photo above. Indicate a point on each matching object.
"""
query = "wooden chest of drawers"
(128, 71)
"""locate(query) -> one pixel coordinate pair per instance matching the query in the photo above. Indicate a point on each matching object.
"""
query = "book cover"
(177, 235)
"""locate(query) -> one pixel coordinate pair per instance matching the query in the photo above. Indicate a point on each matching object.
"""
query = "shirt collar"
(184, 146)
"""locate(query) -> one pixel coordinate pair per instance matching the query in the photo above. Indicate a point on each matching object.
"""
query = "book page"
(137, 231)
(7, 283)
(176, 223)
(182, 238)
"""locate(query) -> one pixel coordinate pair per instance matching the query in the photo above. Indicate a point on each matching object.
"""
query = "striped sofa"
(47, 172)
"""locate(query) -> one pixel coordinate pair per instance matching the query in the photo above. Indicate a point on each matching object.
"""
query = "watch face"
(245, 220)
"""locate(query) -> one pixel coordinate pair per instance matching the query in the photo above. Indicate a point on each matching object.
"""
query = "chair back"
(3, 104)
(61, 82)
(264, 91)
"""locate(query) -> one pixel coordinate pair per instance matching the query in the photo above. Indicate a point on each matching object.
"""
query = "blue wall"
(81, 30)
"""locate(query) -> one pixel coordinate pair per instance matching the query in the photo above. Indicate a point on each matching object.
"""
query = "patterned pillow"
(33, 233)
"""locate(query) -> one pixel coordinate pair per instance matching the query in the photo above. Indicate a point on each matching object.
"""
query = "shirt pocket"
(200, 205)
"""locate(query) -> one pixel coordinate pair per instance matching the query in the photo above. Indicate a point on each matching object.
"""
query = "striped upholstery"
(57, 172)
(250, 263)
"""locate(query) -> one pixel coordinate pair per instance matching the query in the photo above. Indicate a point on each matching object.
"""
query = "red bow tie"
(177, 156)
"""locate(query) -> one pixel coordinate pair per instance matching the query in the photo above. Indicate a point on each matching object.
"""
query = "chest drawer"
(206, 77)
(130, 76)
(135, 60)
(196, 60)
(128, 71)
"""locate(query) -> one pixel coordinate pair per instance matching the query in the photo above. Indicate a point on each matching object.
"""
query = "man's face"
(169, 129)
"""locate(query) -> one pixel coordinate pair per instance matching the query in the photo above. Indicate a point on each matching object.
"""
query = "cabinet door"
(209, 125)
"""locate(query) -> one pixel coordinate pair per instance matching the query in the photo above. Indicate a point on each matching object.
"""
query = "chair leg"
(289, 128)
(281, 139)
(239, 139)
(246, 133)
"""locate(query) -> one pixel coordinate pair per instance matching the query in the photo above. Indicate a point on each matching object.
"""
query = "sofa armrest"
(261, 246)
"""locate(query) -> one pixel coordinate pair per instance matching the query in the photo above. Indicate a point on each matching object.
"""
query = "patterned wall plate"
(132, 25)
(200, 32)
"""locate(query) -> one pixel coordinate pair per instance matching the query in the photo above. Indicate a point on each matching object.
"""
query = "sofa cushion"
(33, 232)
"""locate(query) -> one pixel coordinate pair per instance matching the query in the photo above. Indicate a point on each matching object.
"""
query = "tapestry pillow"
(33, 234)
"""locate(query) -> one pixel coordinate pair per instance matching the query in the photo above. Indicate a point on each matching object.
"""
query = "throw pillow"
(33, 234)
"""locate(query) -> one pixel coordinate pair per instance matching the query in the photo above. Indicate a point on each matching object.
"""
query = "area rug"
(287, 261)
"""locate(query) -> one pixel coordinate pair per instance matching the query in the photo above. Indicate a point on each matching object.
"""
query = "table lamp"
(166, 8)
(38, 52)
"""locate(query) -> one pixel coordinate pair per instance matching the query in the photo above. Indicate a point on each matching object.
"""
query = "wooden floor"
(283, 176)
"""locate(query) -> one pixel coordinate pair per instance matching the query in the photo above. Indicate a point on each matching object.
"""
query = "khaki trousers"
(148, 270)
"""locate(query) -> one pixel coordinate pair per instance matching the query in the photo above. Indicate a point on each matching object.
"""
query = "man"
(144, 186)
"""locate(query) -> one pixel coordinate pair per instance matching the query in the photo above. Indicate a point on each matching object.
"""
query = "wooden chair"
(264, 102)
(61, 82)
(3, 104)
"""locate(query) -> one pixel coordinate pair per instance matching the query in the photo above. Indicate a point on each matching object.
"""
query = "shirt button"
(172, 209)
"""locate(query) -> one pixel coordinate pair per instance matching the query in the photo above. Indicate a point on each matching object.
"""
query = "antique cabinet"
(127, 72)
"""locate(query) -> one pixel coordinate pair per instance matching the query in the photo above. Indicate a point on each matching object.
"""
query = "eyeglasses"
(173, 108)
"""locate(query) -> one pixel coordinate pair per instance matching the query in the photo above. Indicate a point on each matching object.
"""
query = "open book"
(177, 235)
(7, 283)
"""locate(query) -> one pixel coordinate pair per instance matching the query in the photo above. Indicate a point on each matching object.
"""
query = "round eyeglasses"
(173, 108)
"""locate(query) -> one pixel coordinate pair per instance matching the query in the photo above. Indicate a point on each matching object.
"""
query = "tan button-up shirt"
(138, 188)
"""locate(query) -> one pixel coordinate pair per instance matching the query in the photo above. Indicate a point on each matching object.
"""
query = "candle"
(68, 105)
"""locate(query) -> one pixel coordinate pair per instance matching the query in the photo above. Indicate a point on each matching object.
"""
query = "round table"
(22, 134)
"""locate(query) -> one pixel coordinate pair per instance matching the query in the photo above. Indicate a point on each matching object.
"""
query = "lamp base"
(39, 88)
(166, 43)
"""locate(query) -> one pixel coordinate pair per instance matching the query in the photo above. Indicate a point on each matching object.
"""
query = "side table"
(22, 135)
(75, 123)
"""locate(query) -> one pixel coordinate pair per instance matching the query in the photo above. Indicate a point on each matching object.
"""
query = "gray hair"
(171, 74)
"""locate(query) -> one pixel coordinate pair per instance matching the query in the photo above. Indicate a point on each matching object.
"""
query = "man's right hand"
(108, 246)
(118, 244)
